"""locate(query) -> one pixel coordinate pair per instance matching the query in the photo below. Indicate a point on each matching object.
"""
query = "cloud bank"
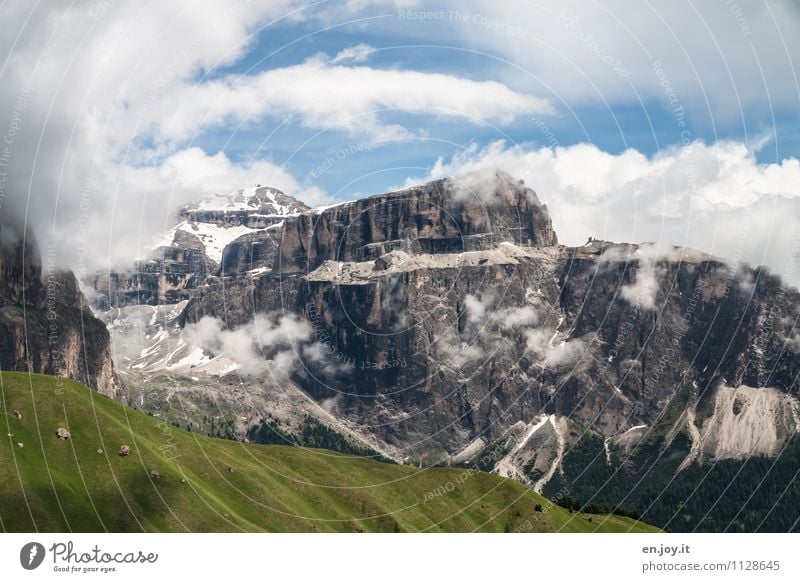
(103, 105)
(713, 197)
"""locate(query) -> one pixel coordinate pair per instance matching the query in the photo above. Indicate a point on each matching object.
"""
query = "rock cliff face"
(455, 317)
(168, 276)
(254, 208)
(252, 253)
(444, 324)
(439, 217)
(219, 235)
(46, 325)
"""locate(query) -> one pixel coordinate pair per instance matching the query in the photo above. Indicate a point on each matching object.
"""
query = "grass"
(205, 484)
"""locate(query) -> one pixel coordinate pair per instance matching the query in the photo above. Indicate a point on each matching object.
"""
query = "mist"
(82, 165)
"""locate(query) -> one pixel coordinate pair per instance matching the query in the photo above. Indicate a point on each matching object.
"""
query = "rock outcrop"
(221, 235)
(46, 325)
(445, 216)
(255, 208)
(252, 253)
(454, 316)
(444, 324)
(168, 276)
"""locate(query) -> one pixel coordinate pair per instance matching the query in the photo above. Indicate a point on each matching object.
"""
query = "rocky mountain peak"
(473, 212)
(192, 250)
(238, 206)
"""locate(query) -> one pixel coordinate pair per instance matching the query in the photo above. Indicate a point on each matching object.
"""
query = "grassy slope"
(54, 485)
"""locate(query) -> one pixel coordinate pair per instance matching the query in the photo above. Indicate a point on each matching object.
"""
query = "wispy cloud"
(340, 95)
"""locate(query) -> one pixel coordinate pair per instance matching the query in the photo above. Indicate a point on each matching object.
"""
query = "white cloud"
(324, 95)
(648, 274)
(84, 174)
(566, 353)
(713, 197)
(715, 56)
(115, 93)
(485, 184)
(538, 341)
(456, 353)
(268, 344)
(132, 204)
(475, 308)
(516, 317)
(354, 54)
(643, 291)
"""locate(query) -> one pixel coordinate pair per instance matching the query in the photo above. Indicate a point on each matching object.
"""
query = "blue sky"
(613, 124)
(632, 121)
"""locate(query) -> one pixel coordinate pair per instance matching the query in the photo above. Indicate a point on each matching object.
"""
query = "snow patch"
(196, 357)
(215, 238)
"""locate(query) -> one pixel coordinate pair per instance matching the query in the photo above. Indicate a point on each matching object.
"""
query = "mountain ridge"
(445, 319)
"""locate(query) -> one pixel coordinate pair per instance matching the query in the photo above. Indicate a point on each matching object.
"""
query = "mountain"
(444, 322)
(70, 476)
(46, 324)
(192, 250)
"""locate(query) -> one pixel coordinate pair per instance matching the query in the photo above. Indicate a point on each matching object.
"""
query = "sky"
(675, 123)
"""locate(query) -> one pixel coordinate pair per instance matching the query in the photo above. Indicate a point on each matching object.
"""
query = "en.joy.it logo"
(31, 555)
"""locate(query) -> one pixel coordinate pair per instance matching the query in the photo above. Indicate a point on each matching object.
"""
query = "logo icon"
(31, 555)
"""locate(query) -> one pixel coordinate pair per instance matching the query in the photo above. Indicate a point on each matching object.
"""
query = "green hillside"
(204, 484)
